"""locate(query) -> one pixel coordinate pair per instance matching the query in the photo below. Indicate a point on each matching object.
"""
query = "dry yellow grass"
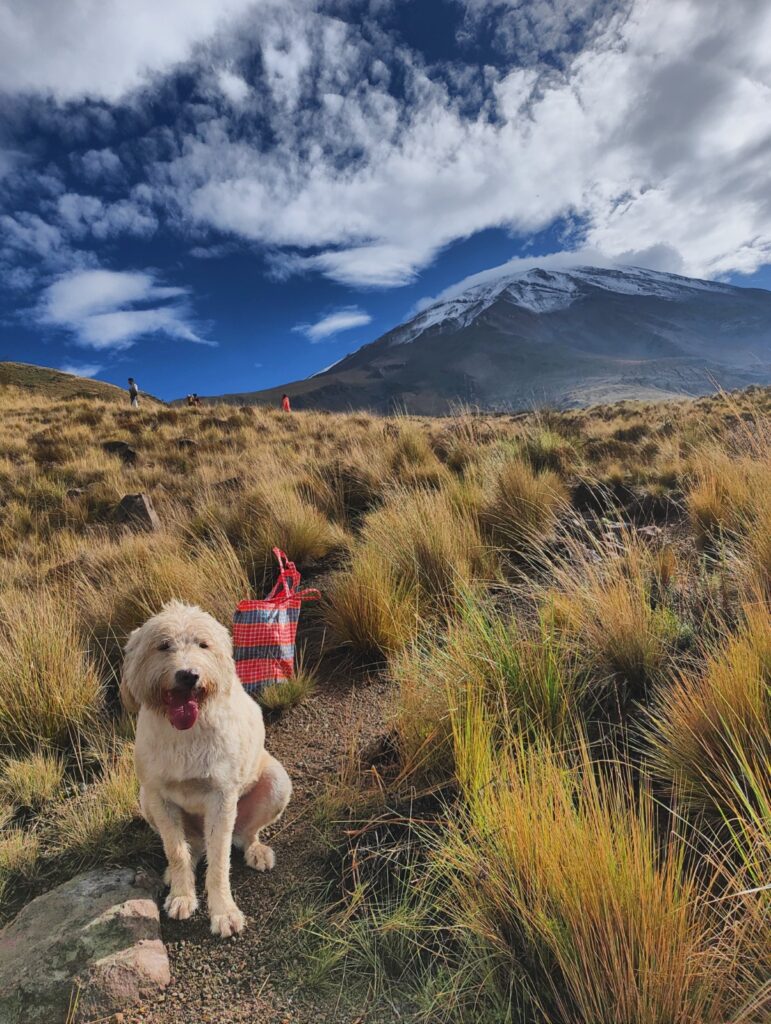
(49, 688)
(523, 505)
(557, 874)
(511, 623)
(31, 781)
(712, 727)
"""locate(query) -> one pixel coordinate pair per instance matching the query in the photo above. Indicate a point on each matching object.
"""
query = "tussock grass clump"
(347, 487)
(611, 605)
(434, 549)
(523, 506)
(31, 781)
(528, 676)
(19, 852)
(567, 902)
(157, 569)
(274, 515)
(369, 612)
(49, 688)
(291, 691)
(544, 449)
(726, 494)
(712, 728)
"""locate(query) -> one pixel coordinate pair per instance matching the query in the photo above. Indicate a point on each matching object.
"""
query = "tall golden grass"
(549, 877)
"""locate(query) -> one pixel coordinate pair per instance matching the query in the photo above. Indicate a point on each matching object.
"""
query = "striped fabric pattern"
(264, 631)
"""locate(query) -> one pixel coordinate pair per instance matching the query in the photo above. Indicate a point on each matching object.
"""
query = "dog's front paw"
(260, 857)
(229, 922)
(180, 907)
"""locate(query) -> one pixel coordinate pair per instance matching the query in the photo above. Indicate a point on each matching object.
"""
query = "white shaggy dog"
(207, 781)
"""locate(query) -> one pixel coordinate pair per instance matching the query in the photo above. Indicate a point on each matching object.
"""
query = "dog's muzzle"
(182, 701)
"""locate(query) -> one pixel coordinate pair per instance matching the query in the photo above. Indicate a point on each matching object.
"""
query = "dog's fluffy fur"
(213, 785)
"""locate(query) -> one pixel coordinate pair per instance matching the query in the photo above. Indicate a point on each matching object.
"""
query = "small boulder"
(136, 510)
(122, 449)
(95, 939)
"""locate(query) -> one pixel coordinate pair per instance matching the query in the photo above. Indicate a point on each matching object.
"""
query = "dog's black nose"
(185, 677)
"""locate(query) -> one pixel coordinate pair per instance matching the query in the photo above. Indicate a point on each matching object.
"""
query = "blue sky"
(224, 196)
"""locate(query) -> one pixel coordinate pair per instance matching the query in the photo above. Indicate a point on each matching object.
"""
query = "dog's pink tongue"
(182, 709)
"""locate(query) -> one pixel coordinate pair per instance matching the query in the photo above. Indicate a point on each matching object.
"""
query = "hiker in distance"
(133, 391)
(285, 403)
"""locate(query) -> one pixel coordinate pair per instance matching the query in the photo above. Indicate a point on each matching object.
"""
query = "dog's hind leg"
(261, 806)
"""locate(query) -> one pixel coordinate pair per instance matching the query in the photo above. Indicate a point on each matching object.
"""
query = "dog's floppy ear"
(130, 702)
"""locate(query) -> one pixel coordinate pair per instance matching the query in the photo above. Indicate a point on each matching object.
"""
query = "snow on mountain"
(547, 291)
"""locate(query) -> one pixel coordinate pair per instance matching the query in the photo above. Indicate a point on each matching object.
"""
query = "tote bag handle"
(288, 581)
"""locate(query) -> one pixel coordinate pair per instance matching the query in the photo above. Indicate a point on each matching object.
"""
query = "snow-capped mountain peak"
(541, 291)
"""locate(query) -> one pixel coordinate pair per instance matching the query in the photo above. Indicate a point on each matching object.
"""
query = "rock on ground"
(137, 510)
(95, 939)
(122, 449)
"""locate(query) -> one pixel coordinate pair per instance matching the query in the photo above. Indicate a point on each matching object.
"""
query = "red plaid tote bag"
(264, 631)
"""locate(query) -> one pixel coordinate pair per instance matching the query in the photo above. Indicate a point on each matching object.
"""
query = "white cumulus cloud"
(654, 133)
(101, 48)
(646, 131)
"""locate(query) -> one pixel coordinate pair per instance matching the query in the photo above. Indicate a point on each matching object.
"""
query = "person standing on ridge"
(133, 391)
(285, 403)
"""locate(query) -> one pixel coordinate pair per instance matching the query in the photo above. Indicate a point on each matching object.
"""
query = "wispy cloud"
(341, 320)
(108, 309)
(81, 369)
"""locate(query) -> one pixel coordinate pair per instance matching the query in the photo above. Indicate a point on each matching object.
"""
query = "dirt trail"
(246, 978)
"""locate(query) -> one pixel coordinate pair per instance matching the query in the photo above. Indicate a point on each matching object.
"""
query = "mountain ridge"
(574, 336)
(59, 384)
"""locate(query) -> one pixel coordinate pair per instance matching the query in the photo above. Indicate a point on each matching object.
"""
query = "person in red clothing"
(285, 403)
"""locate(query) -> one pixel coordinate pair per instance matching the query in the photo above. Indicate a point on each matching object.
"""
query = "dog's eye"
(202, 643)
(165, 645)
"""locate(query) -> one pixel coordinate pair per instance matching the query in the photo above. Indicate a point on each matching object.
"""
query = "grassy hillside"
(44, 381)
(568, 818)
